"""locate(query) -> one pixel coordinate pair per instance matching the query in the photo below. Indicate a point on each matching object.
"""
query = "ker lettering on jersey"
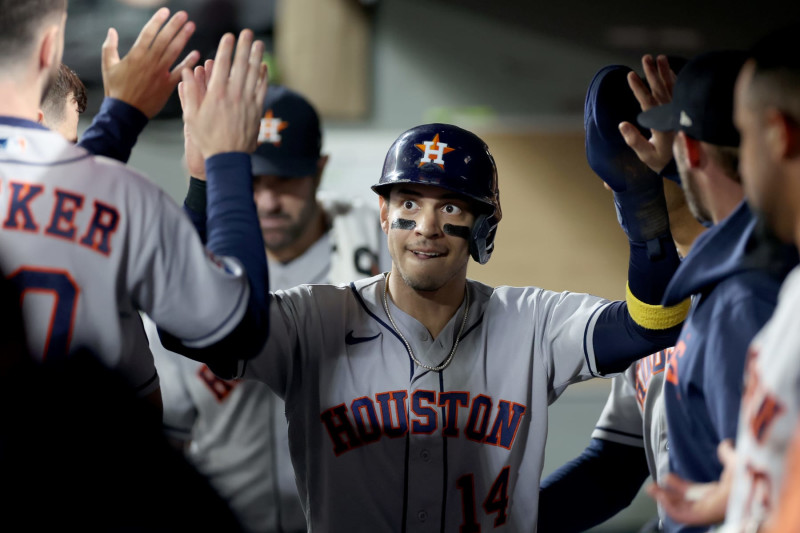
(365, 421)
(61, 223)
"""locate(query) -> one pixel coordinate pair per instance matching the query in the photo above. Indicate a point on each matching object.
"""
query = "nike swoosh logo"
(350, 339)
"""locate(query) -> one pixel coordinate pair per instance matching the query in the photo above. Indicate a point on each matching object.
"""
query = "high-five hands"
(226, 116)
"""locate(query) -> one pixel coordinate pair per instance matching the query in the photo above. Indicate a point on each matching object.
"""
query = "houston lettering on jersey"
(97, 235)
(648, 367)
(366, 420)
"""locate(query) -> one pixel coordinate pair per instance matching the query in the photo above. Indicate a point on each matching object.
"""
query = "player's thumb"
(110, 52)
(636, 141)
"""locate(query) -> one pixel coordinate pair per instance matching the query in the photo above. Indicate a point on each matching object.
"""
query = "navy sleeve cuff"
(114, 130)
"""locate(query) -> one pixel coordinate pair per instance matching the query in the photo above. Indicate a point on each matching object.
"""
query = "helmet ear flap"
(481, 242)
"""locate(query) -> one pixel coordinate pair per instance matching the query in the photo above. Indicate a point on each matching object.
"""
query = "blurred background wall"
(514, 71)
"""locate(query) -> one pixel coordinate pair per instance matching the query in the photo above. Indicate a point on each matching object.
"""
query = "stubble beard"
(290, 235)
(692, 194)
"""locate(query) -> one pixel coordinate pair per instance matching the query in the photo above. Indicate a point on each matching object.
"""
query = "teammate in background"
(703, 373)
(63, 104)
(237, 429)
(767, 114)
(629, 441)
(88, 242)
(417, 399)
(736, 297)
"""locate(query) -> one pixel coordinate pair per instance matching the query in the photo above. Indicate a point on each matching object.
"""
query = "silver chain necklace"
(447, 361)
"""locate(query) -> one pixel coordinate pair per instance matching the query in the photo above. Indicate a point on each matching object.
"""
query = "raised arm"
(629, 330)
(224, 126)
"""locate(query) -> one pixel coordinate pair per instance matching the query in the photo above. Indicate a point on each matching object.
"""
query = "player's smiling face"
(424, 253)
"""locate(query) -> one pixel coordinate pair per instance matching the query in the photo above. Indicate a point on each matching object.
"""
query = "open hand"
(227, 116)
(655, 152)
(143, 77)
(195, 163)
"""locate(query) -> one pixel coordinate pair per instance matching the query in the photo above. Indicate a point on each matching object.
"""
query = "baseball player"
(703, 376)
(88, 242)
(237, 429)
(703, 373)
(417, 399)
(767, 104)
(630, 439)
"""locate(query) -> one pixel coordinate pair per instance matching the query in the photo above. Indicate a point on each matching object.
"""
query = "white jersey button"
(423, 337)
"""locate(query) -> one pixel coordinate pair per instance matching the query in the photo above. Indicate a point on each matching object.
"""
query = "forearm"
(114, 130)
(640, 326)
(603, 480)
(232, 230)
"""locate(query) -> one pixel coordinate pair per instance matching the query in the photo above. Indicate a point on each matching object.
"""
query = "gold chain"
(447, 361)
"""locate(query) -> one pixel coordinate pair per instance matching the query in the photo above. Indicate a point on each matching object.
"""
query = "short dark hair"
(776, 74)
(18, 23)
(66, 83)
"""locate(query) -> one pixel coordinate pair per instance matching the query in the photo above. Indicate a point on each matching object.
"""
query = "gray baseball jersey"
(237, 429)
(634, 412)
(378, 442)
(769, 413)
(90, 242)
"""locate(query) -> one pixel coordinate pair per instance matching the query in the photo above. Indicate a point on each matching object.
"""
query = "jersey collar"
(20, 122)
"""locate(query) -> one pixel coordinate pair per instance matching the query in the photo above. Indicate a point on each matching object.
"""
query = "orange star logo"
(433, 152)
(271, 128)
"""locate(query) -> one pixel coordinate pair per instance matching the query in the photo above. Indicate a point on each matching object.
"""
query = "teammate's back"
(89, 242)
(82, 236)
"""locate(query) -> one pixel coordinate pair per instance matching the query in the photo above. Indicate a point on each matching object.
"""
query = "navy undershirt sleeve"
(233, 231)
(195, 206)
(618, 340)
(114, 130)
(591, 488)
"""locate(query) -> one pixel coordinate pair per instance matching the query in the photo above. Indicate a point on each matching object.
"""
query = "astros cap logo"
(270, 130)
(433, 148)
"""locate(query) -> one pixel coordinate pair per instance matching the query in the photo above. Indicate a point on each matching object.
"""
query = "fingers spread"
(188, 62)
(640, 91)
(635, 140)
(150, 30)
(172, 38)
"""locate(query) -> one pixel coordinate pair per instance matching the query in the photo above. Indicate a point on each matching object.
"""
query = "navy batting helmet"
(452, 158)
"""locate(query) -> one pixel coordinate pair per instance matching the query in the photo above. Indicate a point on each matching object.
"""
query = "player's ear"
(690, 148)
(782, 134)
(384, 207)
(48, 49)
(321, 163)
(40, 117)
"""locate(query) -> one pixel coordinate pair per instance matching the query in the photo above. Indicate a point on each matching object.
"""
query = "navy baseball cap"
(290, 139)
(702, 99)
